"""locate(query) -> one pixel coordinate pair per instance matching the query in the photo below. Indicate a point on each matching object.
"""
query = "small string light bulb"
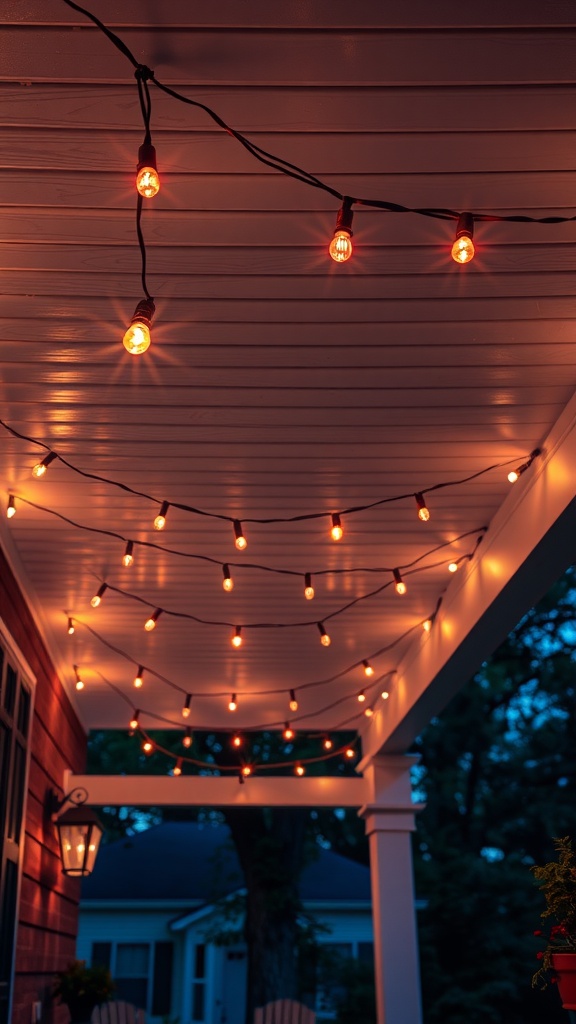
(128, 556)
(150, 623)
(453, 567)
(177, 769)
(187, 738)
(70, 627)
(327, 743)
(147, 746)
(324, 638)
(246, 770)
(349, 753)
(137, 338)
(427, 625)
(368, 712)
(293, 704)
(513, 476)
(10, 508)
(79, 680)
(97, 599)
(147, 179)
(41, 467)
(160, 520)
(340, 247)
(232, 703)
(186, 706)
(368, 670)
(336, 531)
(288, 733)
(423, 510)
(239, 538)
(463, 246)
(385, 694)
(237, 740)
(236, 640)
(399, 584)
(308, 588)
(299, 769)
(133, 723)
(138, 680)
(227, 582)
(361, 697)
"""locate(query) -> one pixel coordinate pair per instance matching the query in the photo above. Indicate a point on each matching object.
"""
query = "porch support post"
(389, 819)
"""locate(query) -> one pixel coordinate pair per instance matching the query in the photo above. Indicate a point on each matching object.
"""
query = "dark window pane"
(200, 961)
(10, 690)
(198, 1000)
(7, 919)
(133, 990)
(132, 958)
(366, 952)
(23, 711)
(2, 659)
(162, 988)
(17, 795)
(101, 954)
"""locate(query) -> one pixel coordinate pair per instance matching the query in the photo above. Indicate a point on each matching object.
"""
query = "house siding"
(48, 903)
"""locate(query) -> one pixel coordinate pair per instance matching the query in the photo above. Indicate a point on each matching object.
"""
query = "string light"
(150, 623)
(324, 638)
(246, 771)
(147, 746)
(138, 680)
(349, 753)
(427, 625)
(423, 510)
(288, 732)
(385, 694)
(236, 640)
(79, 680)
(186, 706)
(227, 582)
(514, 474)
(453, 567)
(160, 520)
(368, 670)
(97, 599)
(308, 588)
(336, 531)
(293, 704)
(70, 627)
(128, 556)
(327, 743)
(133, 723)
(399, 584)
(10, 508)
(340, 247)
(40, 468)
(239, 538)
(137, 338)
(361, 697)
(299, 769)
(147, 179)
(368, 712)
(237, 740)
(232, 703)
(187, 738)
(463, 246)
(177, 769)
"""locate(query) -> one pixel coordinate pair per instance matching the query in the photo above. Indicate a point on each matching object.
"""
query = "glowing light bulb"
(160, 520)
(423, 510)
(10, 508)
(340, 247)
(368, 670)
(299, 769)
(177, 769)
(368, 712)
(150, 623)
(239, 538)
(237, 638)
(187, 738)
(70, 627)
(79, 681)
(147, 179)
(133, 723)
(288, 733)
(324, 638)
(399, 584)
(41, 467)
(385, 694)
(513, 476)
(327, 744)
(453, 567)
(236, 741)
(293, 705)
(337, 531)
(97, 599)
(361, 697)
(463, 246)
(246, 770)
(427, 625)
(349, 753)
(138, 680)
(137, 338)
(308, 588)
(232, 703)
(147, 747)
(227, 582)
(128, 557)
(186, 706)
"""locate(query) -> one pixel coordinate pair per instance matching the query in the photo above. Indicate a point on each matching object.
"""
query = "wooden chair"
(117, 1013)
(284, 1011)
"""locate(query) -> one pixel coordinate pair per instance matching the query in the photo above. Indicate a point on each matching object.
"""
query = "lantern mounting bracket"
(77, 796)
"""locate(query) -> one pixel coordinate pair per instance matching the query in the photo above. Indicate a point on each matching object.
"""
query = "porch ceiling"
(278, 383)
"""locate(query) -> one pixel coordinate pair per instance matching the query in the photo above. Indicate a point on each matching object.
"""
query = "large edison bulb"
(137, 339)
(148, 182)
(463, 249)
(340, 247)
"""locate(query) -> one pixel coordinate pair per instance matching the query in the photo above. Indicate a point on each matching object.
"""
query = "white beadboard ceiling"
(278, 383)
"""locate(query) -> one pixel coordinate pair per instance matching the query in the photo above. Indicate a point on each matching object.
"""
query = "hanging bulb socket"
(128, 556)
(160, 520)
(186, 706)
(239, 538)
(10, 508)
(134, 720)
(463, 246)
(340, 247)
(187, 738)
(41, 467)
(138, 680)
(368, 670)
(237, 638)
(288, 733)
(227, 582)
(361, 697)
(308, 588)
(147, 178)
(70, 626)
(399, 584)
(177, 769)
(232, 703)
(324, 638)
(79, 680)
(97, 599)
(514, 474)
(293, 704)
(137, 337)
(150, 623)
(423, 510)
(336, 531)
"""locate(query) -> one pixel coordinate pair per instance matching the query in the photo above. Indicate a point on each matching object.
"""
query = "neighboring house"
(154, 902)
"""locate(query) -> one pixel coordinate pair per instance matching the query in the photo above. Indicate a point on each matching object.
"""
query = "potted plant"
(558, 959)
(82, 988)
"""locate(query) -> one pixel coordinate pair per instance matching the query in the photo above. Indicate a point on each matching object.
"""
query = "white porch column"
(389, 819)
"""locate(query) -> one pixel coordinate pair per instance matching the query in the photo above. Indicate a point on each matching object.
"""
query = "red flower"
(538, 931)
(539, 956)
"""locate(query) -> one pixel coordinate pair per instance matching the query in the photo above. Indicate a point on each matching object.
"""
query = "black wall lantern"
(79, 833)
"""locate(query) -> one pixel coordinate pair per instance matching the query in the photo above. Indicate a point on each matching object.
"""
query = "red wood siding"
(46, 937)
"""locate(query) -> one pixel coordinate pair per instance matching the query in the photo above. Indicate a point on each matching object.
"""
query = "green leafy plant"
(558, 878)
(81, 988)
